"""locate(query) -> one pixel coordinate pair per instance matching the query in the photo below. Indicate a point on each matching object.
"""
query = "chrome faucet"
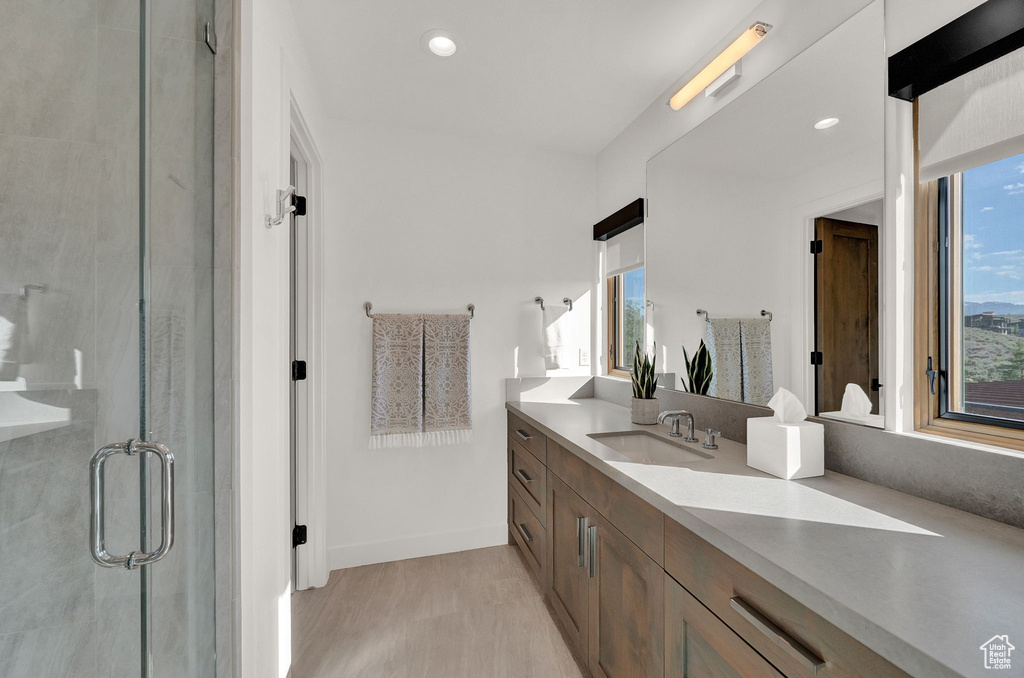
(676, 415)
(709, 439)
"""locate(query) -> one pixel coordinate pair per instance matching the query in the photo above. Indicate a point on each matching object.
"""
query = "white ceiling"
(561, 74)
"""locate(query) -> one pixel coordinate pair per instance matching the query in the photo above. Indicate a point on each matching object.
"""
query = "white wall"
(422, 222)
(272, 69)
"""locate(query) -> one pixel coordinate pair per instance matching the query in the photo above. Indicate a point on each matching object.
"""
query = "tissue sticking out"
(856, 402)
(788, 408)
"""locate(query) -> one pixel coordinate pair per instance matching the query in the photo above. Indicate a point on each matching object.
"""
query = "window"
(977, 344)
(625, 308)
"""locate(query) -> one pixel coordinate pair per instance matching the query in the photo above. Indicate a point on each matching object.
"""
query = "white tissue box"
(786, 450)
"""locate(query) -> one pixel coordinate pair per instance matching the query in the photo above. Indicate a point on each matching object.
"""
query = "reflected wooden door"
(846, 313)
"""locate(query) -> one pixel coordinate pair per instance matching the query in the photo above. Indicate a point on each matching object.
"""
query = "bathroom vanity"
(711, 568)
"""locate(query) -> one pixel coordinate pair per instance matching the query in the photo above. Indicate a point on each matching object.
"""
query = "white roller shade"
(973, 120)
(625, 252)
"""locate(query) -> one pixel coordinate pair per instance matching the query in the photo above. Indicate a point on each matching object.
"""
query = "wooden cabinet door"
(699, 645)
(627, 606)
(568, 582)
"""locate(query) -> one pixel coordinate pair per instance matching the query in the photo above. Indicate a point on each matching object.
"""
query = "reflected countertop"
(922, 584)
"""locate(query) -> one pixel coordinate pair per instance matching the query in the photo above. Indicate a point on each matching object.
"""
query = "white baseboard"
(340, 557)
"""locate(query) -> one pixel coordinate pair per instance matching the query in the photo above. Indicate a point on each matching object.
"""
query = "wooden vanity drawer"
(642, 524)
(527, 475)
(528, 436)
(793, 638)
(528, 532)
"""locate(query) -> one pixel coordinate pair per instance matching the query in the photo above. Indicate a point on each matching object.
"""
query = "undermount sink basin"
(644, 448)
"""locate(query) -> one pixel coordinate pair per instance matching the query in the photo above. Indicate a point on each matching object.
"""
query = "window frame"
(933, 294)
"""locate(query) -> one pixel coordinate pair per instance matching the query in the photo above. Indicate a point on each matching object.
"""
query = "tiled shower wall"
(68, 219)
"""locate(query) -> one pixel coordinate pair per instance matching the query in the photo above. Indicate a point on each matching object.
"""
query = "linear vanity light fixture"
(720, 64)
(540, 300)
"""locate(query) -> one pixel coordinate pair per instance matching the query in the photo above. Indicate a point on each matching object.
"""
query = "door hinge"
(816, 247)
(299, 203)
(875, 385)
(298, 535)
(816, 358)
(298, 370)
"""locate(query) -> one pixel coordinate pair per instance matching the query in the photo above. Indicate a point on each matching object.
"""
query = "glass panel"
(178, 359)
(633, 301)
(71, 369)
(987, 292)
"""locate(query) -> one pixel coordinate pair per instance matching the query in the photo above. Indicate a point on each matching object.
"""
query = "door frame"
(806, 214)
(308, 484)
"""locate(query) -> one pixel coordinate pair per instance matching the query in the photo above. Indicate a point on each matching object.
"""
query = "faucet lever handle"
(709, 439)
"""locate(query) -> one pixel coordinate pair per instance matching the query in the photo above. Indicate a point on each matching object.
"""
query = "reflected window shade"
(625, 252)
(973, 120)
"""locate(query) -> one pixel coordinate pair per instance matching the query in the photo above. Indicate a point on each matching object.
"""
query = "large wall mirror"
(735, 208)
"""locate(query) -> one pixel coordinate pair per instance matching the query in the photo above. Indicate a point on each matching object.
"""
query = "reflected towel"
(556, 333)
(13, 326)
(722, 337)
(756, 354)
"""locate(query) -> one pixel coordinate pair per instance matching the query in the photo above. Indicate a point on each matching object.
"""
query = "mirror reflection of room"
(793, 162)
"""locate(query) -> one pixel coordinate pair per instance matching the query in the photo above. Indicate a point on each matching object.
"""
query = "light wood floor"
(474, 614)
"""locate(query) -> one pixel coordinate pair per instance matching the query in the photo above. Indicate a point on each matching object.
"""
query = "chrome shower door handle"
(97, 523)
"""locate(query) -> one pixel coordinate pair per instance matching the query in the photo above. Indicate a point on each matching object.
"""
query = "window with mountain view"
(983, 267)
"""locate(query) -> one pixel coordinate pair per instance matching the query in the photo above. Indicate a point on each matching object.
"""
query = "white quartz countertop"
(922, 584)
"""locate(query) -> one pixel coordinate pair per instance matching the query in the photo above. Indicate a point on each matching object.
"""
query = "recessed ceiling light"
(825, 123)
(439, 42)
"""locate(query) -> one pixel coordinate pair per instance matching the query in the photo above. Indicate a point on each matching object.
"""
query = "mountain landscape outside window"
(986, 290)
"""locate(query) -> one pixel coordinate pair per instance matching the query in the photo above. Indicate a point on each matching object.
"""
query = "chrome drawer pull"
(592, 530)
(581, 539)
(522, 476)
(526, 533)
(787, 643)
(522, 434)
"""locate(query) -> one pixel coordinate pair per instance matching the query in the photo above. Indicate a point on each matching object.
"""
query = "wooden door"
(568, 580)
(627, 607)
(699, 645)
(846, 313)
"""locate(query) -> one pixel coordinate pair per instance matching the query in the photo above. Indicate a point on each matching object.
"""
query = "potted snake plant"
(698, 370)
(645, 405)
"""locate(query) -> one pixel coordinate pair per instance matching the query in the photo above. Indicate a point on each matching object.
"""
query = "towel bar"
(367, 306)
(764, 313)
(540, 300)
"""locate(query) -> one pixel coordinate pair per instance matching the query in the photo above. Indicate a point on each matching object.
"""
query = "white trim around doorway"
(310, 463)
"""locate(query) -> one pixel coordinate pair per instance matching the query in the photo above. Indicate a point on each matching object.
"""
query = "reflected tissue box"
(788, 451)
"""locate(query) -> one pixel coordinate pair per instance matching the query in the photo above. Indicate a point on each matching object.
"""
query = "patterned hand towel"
(421, 381)
(447, 401)
(756, 351)
(722, 336)
(396, 411)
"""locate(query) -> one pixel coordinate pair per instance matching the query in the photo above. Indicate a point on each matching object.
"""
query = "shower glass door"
(106, 335)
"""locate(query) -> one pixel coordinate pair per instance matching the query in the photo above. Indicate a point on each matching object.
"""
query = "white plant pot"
(645, 411)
